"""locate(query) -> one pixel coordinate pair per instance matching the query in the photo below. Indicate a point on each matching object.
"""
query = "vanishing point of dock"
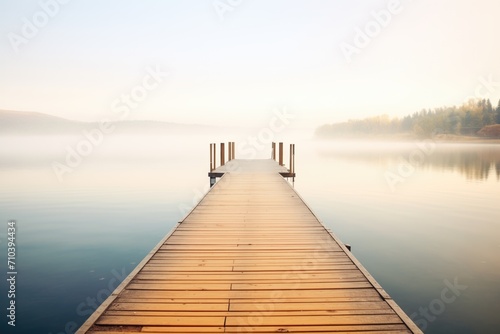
(250, 257)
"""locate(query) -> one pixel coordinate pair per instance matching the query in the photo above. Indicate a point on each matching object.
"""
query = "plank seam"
(383, 294)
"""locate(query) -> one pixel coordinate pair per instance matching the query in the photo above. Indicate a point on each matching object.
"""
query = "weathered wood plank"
(263, 313)
(389, 328)
(282, 294)
(249, 307)
(163, 321)
(315, 320)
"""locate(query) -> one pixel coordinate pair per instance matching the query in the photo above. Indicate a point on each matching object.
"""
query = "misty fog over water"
(419, 215)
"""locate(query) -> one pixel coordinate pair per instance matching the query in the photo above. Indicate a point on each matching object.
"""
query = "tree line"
(466, 119)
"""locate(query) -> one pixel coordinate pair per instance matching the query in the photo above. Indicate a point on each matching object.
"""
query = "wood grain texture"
(251, 257)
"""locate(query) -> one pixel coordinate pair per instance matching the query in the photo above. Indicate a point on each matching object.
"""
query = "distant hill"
(35, 123)
(21, 122)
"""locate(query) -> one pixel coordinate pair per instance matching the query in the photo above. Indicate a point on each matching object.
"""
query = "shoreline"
(443, 138)
(465, 139)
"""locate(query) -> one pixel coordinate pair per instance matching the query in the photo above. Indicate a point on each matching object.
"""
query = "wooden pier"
(250, 257)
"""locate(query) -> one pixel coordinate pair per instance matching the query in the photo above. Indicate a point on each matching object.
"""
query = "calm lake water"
(420, 217)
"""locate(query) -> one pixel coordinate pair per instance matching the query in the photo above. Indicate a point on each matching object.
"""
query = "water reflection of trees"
(475, 162)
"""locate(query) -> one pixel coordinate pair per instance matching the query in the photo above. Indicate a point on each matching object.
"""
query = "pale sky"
(235, 64)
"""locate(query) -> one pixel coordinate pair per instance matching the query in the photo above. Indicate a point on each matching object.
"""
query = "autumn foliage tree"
(466, 119)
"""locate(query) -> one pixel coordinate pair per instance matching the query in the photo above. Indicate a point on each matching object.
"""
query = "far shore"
(465, 139)
(440, 138)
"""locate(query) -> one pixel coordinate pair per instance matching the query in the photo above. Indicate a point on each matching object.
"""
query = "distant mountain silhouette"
(21, 122)
(36, 123)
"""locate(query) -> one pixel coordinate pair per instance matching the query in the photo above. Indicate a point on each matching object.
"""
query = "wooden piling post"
(292, 158)
(230, 150)
(211, 158)
(233, 155)
(273, 151)
(281, 154)
(215, 155)
(222, 157)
